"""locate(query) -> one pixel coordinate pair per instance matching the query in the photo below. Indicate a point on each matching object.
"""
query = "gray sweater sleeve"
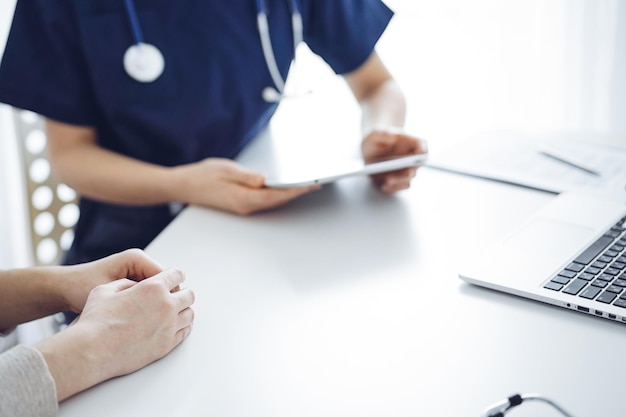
(26, 386)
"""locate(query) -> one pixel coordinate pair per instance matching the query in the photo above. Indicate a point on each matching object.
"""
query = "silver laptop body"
(548, 258)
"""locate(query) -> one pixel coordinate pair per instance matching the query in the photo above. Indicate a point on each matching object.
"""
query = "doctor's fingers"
(381, 144)
(395, 181)
(233, 172)
(267, 198)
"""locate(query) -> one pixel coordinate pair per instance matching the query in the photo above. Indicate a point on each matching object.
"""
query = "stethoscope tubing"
(134, 21)
(266, 42)
(264, 35)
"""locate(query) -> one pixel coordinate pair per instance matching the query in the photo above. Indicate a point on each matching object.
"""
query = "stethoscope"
(501, 408)
(144, 62)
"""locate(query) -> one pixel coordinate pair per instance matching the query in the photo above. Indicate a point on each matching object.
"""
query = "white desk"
(347, 303)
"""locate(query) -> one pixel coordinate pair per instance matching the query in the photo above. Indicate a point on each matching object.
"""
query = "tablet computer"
(329, 172)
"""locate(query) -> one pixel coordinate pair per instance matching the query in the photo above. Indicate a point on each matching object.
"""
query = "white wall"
(479, 65)
(6, 11)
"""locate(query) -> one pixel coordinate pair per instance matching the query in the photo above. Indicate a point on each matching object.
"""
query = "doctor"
(148, 101)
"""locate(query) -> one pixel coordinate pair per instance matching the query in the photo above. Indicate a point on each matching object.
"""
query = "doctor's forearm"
(78, 160)
(383, 108)
(106, 176)
(382, 102)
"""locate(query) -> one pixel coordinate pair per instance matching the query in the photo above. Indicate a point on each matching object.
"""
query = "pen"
(568, 160)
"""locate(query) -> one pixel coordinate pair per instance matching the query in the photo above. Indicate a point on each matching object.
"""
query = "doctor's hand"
(223, 184)
(385, 143)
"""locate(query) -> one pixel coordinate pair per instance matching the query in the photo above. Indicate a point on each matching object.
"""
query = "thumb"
(378, 143)
(245, 177)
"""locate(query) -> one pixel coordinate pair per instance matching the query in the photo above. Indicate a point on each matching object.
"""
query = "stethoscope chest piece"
(144, 62)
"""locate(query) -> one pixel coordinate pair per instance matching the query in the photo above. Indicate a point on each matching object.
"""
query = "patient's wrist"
(76, 360)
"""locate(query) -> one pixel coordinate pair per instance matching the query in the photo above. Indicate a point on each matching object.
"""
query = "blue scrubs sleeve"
(43, 69)
(344, 32)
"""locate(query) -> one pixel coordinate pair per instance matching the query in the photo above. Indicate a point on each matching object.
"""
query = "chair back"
(52, 206)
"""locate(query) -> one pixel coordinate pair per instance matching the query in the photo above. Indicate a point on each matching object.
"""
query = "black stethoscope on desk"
(501, 408)
(145, 63)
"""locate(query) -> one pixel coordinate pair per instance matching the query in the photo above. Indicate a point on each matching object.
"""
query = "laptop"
(571, 253)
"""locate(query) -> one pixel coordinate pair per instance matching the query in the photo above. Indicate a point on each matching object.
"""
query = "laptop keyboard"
(599, 273)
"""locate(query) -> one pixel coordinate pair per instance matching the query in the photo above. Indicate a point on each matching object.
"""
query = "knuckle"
(192, 297)
(167, 306)
(97, 290)
(153, 287)
(178, 274)
(133, 253)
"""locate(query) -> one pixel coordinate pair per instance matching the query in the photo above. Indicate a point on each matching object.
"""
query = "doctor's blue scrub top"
(64, 60)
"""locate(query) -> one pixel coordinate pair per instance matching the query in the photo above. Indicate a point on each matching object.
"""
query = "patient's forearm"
(28, 294)
(74, 359)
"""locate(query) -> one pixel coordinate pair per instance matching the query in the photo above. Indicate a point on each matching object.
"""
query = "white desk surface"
(347, 303)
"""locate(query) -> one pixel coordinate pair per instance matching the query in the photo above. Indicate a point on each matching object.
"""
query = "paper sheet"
(514, 157)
